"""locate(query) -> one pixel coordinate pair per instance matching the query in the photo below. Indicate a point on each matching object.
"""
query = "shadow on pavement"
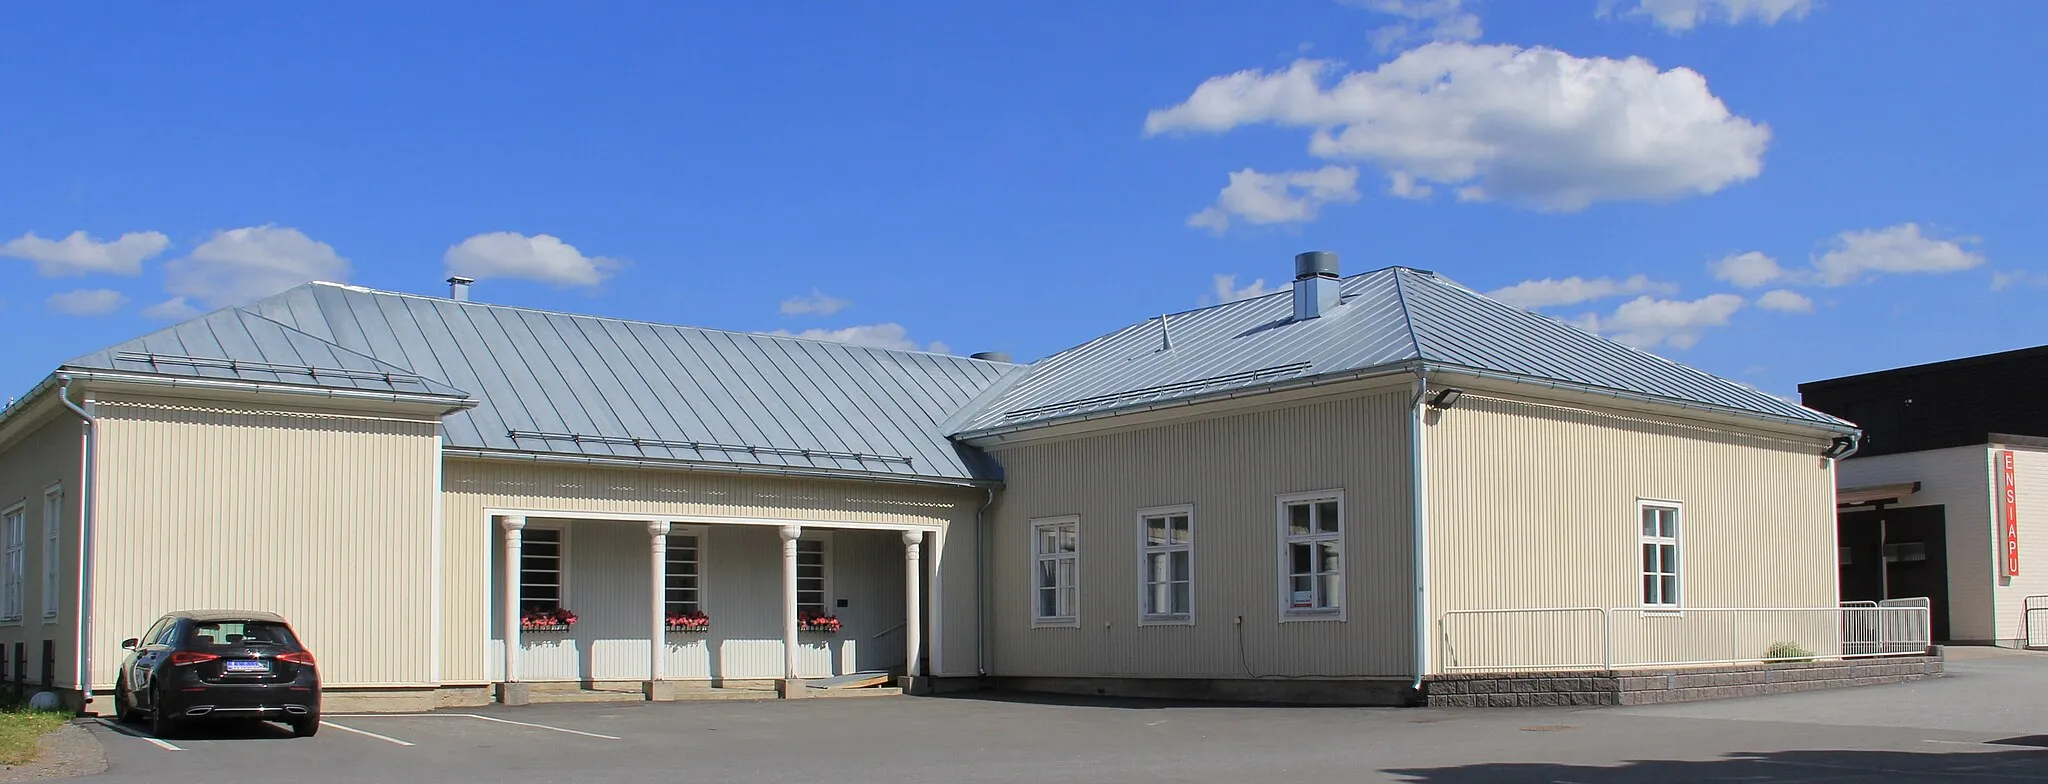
(1835, 767)
(1133, 703)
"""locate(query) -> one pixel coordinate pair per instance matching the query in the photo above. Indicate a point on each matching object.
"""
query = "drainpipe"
(86, 501)
(981, 587)
(1417, 491)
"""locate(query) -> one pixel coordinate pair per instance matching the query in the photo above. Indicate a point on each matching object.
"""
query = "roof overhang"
(1875, 494)
(238, 391)
(557, 458)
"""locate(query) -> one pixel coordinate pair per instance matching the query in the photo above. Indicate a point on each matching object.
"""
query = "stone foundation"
(1660, 685)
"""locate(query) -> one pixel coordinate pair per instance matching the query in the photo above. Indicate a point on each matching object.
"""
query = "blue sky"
(1023, 178)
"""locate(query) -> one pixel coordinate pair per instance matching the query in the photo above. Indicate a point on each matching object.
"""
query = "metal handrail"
(878, 635)
(2029, 606)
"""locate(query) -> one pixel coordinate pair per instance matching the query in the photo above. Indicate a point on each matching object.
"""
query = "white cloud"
(1681, 15)
(1282, 197)
(79, 254)
(173, 309)
(1532, 126)
(1402, 184)
(818, 302)
(1553, 291)
(2004, 279)
(1646, 321)
(888, 335)
(1748, 270)
(541, 257)
(87, 302)
(1227, 289)
(237, 266)
(1897, 249)
(1423, 20)
(1786, 301)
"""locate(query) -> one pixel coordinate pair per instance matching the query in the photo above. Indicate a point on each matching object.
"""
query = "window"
(53, 530)
(1056, 554)
(684, 594)
(1660, 554)
(12, 525)
(223, 634)
(813, 584)
(1312, 533)
(1168, 550)
(540, 570)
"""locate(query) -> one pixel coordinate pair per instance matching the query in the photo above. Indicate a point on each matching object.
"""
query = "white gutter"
(261, 388)
(87, 498)
(1418, 490)
(693, 465)
(981, 544)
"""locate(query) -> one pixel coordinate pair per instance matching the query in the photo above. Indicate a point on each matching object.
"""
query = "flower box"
(693, 622)
(812, 622)
(555, 620)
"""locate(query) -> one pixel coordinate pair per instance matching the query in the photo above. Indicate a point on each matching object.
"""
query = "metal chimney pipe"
(458, 288)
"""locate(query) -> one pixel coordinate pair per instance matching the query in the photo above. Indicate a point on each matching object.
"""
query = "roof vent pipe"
(991, 356)
(458, 288)
(1315, 284)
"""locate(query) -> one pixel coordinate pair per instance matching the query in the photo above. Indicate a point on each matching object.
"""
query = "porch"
(606, 607)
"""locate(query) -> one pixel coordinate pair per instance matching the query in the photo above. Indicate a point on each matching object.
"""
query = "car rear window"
(224, 634)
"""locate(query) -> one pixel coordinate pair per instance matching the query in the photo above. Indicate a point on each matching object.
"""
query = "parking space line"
(160, 742)
(479, 718)
(366, 733)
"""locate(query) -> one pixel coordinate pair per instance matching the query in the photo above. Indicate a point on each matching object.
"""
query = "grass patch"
(20, 728)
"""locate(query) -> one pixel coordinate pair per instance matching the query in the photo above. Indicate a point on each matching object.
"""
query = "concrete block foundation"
(1662, 685)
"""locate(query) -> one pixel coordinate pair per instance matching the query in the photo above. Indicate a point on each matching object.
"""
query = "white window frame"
(53, 551)
(1145, 552)
(826, 601)
(1288, 612)
(561, 568)
(1677, 543)
(669, 561)
(1054, 621)
(13, 566)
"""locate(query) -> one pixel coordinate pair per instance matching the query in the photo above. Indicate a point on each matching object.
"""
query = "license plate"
(234, 665)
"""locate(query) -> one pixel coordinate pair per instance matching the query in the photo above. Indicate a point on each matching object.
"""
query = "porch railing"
(1585, 638)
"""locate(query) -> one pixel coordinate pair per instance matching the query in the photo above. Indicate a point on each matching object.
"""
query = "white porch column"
(789, 537)
(657, 633)
(913, 612)
(512, 525)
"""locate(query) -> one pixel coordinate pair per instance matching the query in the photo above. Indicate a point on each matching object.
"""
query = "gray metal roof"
(237, 345)
(1388, 318)
(564, 384)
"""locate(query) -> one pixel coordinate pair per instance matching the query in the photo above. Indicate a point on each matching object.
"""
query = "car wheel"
(161, 723)
(124, 710)
(305, 726)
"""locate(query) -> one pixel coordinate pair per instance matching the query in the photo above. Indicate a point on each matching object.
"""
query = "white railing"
(1575, 638)
(2034, 621)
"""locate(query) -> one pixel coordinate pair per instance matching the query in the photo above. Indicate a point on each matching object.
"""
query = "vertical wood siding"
(743, 565)
(46, 456)
(1959, 480)
(2031, 469)
(325, 520)
(1231, 469)
(607, 576)
(1534, 506)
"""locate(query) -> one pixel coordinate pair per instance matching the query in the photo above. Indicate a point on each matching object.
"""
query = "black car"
(218, 664)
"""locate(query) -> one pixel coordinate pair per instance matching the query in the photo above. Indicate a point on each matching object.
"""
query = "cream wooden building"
(1341, 490)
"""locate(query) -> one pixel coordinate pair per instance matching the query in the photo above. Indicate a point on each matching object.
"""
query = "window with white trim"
(1312, 552)
(540, 570)
(1169, 552)
(683, 593)
(13, 527)
(813, 576)
(1660, 553)
(1055, 572)
(53, 562)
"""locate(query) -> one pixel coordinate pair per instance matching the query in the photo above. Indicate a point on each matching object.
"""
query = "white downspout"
(1418, 492)
(981, 545)
(87, 492)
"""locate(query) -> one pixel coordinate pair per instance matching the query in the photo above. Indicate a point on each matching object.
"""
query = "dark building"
(1959, 402)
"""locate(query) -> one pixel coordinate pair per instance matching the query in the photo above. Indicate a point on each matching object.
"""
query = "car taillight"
(183, 658)
(300, 657)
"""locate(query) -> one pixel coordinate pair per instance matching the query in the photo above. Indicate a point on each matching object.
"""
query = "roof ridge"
(644, 322)
(1407, 317)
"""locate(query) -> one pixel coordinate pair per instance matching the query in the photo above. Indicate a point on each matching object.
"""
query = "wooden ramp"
(858, 680)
